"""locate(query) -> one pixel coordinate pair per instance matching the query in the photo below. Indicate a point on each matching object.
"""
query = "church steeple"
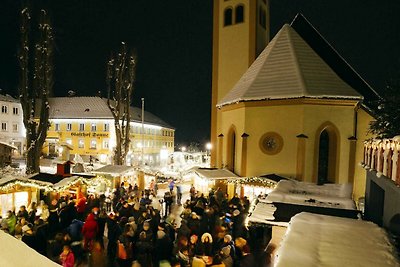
(240, 33)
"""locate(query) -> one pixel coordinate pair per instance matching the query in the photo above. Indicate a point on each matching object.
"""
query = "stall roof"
(214, 173)
(320, 240)
(309, 194)
(67, 181)
(17, 253)
(115, 169)
(291, 197)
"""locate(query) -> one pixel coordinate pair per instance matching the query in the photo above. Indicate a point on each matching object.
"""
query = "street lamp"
(183, 149)
(209, 147)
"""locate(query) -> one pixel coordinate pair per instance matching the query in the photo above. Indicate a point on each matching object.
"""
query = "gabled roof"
(92, 107)
(289, 68)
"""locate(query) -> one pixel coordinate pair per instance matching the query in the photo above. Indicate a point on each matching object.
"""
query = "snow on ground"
(302, 193)
(15, 253)
(314, 240)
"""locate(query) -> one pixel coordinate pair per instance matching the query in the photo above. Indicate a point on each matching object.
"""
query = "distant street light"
(183, 149)
(209, 147)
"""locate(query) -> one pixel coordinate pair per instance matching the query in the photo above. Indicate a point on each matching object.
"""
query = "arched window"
(231, 149)
(327, 154)
(228, 16)
(323, 158)
(239, 14)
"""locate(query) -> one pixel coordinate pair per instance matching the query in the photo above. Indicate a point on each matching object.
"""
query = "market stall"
(118, 174)
(204, 179)
(15, 192)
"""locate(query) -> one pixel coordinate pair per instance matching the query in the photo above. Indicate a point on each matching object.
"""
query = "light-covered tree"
(121, 73)
(36, 82)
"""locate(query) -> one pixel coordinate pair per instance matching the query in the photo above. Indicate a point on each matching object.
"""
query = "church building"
(292, 106)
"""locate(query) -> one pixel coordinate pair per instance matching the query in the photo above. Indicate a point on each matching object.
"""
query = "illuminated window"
(93, 127)
(239, 14)
(15, 127)
(228, 16)
(81, 127)
(93, 144)
(69, 126)
(106, 144)
(57, 127)
(15, 110)
(106, 127)
(81, 143)
(4, 109)
(4, 126)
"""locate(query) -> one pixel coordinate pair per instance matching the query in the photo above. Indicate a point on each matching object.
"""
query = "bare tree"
(121, 71)
(36, 81)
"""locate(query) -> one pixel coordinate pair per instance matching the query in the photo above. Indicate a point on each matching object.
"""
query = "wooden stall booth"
(15, 192)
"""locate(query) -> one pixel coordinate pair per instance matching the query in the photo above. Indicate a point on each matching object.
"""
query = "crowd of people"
(133, 228)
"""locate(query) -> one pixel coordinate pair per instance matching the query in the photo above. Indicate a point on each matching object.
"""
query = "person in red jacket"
(89, 231)
(67, 257)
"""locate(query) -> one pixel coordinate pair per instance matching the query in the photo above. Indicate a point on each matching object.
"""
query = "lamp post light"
(183, 149)
(209, 147)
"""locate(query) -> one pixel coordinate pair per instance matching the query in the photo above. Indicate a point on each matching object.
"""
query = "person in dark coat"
(41, 230)
(144, 249)
(28, 237)
(114, 231)
(238, 229)
(75, 230)
(163, 247)
(125, 210)
(23, 213)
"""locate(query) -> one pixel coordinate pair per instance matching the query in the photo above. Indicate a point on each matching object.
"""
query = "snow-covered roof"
(314, 240)
(67, 181)
(289, 68)
(6, 144)
(211, 173)
(17, 253)
(24, 180)
(93, 107)
(8, 98)
(336, 196)
(115, 169)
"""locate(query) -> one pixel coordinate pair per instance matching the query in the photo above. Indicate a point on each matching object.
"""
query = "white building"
(12, 129)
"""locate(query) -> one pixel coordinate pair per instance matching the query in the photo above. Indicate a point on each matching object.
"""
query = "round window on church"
(271, 143)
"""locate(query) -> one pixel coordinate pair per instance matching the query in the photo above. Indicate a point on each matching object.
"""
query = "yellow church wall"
(232, 120)
(283, 120)
(288, 121)
(363, 121)
(342, 117)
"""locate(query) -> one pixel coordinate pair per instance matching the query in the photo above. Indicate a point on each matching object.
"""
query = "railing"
(382, 156)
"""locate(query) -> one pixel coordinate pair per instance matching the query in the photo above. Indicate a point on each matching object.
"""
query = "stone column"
(395, 158)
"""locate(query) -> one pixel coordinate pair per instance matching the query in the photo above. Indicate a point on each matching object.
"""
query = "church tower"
(240, 33)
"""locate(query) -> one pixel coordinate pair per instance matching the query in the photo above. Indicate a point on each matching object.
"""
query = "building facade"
(297, 111)
(85, 126)
(12, 129)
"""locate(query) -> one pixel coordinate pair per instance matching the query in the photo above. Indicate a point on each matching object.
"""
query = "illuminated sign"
(90, 134)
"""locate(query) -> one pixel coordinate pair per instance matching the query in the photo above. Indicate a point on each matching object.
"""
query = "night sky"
(173, 40)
